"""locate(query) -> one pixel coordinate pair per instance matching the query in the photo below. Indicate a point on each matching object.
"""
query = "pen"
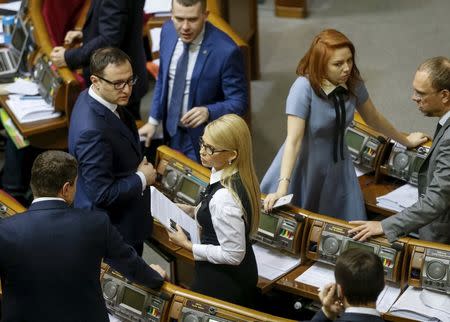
(30, 97)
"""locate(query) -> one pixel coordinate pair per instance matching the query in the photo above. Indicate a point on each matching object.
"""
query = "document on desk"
(23, 87)
(271, 263)
(320, 274)
(158, 7)
(169, 215)
(399, 199)
(360, 171)
(30, 109)
(422, 305)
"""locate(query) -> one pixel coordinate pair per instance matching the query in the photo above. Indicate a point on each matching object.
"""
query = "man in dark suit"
(116, 23)
(207, 84)
(113, 175)
(50, 254)
(359, 278)
(431, 213)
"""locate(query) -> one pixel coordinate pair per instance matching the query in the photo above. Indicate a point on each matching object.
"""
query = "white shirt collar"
(444, 118)
(328, 86)
(101, 100)
(216, 176)
(47, 199)
(362, 310)
(199, 39)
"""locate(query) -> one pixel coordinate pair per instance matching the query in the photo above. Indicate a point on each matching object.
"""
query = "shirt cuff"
(143, 180)
(153, 121)
(199, 252)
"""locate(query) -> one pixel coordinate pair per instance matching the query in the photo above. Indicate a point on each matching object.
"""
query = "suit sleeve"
(112, 20)
(123, 258)
(95, 163)
(432, 204)
(234, 87)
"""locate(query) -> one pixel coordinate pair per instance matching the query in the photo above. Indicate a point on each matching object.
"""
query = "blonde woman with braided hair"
(228, 214)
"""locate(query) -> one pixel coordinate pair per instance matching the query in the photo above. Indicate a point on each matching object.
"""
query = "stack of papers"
(159, 8)
(399, 199)
(271, 263)
(320, 274)
(31, 108)
(170, 215)
(422, 305)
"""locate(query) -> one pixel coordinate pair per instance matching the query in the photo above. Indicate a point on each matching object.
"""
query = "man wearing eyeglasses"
(431, 213)
(113, 174)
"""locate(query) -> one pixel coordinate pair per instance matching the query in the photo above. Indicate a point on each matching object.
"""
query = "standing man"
(50, 254)
(116, 23)
(113, 175)
(431, 213)
(201, 77)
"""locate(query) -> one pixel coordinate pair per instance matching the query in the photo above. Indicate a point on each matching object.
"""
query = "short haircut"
(360, 274)
(438, 69)
(190, 3)
(314, 64)
(102, 57)
(50, 171)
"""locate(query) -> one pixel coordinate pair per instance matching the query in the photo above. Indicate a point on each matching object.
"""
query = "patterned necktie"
(438, 127)
(176, 100)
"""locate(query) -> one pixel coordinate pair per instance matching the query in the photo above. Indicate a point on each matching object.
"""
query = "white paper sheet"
(165, 210)
(13, 6)
(361, 171)
(320, 274)
(23, 86)
(399, 199)
(157, 6)
(155, 35)
(271, 263)
(413, 303)
(113, 318)
(29, 110)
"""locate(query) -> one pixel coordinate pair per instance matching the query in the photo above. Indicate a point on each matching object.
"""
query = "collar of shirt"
(444, 118)
(328, 86)
(216, 176)
(198, 40)
(47, 199)
(362, 310)
(108, 105)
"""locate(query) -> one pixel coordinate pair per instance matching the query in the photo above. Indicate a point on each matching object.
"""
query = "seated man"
(50, 254)
(359, 280)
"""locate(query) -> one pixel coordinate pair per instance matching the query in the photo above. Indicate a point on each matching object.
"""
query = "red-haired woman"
(314, 163)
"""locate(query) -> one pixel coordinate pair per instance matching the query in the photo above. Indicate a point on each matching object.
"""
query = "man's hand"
(331, 304)
(365, 229)
(416, 138)
(57, 56)
(147, 169)
(147, 131)
(72, 36)
(195, 117)
(159, 270)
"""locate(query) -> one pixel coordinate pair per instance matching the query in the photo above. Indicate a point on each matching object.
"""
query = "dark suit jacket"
(431, 213)
(218, 80)
(50, 263)
(108, 154)
(347, 317)
(116, 23)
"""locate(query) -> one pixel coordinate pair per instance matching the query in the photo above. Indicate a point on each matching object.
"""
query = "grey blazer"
(431, 213)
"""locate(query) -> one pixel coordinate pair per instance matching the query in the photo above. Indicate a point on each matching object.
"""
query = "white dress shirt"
(362, 310)
(444, 118)
(194, 49)
(47, 199)
(113, 108)
(228, 222)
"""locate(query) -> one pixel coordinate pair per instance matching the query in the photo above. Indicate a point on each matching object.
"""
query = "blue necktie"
(176, 100)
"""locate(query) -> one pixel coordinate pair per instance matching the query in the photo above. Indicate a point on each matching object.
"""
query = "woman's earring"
(230, 162)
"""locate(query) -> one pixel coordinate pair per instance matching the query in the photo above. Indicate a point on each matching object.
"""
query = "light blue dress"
(318, 183)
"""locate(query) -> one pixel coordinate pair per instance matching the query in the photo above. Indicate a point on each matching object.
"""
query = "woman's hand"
(190, 210)
(179, 238)
(270, 200)
(416, 138)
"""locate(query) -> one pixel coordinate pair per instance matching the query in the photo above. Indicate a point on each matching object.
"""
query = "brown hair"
(50, 171)
(438, 69)
(102, 57)
(360, 274)
(190, 3)
(314, 64)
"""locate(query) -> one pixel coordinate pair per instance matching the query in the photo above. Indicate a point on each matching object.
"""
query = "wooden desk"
(45, 134)
(371, 190)
(288, 284)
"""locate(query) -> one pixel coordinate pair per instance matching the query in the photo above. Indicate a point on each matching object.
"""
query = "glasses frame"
(210, 150)
(120, 85)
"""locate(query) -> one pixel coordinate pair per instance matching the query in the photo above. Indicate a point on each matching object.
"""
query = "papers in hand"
(422, 305)
(170, 215)
(29, 109)
(283, 201)
(271, 263)
(399, 199)
(320, 274)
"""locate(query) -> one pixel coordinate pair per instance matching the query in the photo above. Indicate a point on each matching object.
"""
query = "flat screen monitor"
(353, 244)
(268, 224)
(19, 37)
(189, 188)
(133, 299)
(354, 140)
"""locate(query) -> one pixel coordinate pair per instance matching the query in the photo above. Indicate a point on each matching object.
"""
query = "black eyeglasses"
(210, 150)
(119, 85)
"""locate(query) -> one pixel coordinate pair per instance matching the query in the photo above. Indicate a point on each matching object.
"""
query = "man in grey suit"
(431, 213)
